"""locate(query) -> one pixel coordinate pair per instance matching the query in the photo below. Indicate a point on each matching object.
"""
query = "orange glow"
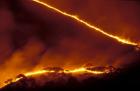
(84, 70)
(74, 71)
(19, 56)
(78, 70)
(119, 39)
(36, 72)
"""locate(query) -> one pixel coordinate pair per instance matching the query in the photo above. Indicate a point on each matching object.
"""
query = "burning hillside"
(63, 36)
(60, 76)
(54, 79)
(91, 70)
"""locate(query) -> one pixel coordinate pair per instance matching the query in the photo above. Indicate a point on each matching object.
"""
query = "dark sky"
(32, 36)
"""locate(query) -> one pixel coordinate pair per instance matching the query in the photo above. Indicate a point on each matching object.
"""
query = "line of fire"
(84, 76)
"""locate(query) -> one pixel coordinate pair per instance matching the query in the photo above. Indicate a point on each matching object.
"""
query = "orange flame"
(121, 40)
(78, 70)
(74, 71)
(82, 70)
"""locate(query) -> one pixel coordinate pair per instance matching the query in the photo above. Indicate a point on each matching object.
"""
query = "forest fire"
(93, 71)
(117, 38)
(36, 34)
(78, 70)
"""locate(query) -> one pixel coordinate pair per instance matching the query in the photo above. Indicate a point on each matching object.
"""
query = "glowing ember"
(119, 39)
(78, 70)
(37, 72)
(91, 70)
(84, 70)
(55, 70)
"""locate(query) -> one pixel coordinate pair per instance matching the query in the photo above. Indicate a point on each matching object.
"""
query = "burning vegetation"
(32, 42)
(57, 73)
